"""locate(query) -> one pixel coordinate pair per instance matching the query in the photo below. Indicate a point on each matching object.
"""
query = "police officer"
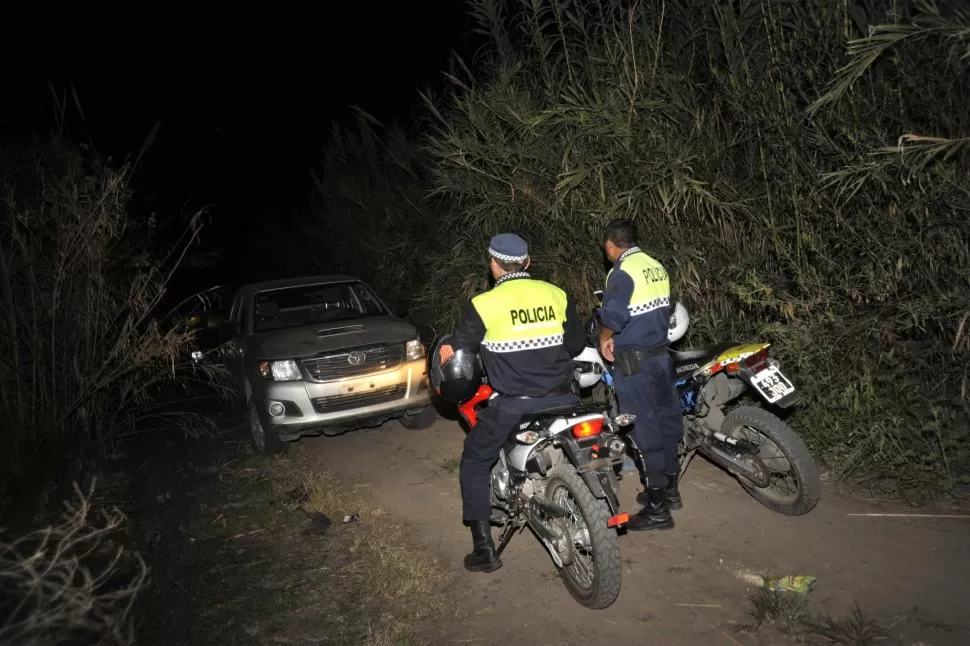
(635, 318)
(527, 333)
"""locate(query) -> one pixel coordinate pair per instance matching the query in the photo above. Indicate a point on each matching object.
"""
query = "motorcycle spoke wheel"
(580, 551)
(592, 572)
(783, 482)
(793, 482)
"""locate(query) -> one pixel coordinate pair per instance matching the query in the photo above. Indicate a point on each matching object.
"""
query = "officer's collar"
(628, 252)
(512, 276)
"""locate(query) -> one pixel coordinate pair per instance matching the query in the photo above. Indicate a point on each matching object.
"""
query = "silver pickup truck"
(323, 354)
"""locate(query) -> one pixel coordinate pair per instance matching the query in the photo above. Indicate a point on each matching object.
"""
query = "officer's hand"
(606, 349)
(446, 352)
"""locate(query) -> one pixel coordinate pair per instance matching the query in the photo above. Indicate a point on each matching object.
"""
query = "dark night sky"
(246, 92)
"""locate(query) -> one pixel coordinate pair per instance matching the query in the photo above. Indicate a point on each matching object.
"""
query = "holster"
(628, 360)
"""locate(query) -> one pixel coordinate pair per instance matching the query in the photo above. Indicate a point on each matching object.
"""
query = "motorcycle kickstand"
(506, 535)
(685, 461)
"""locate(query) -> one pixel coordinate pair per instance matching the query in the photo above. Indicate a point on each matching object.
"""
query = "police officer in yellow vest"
(527, 333)
(635, 318)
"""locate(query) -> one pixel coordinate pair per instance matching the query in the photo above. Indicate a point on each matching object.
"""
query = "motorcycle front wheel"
(592, 573)
(794, 486)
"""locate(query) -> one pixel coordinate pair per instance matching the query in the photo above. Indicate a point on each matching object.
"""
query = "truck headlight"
(414, 350)
(286, 370)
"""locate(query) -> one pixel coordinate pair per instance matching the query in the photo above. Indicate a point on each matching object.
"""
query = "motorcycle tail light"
(588, 428)
(757, 359)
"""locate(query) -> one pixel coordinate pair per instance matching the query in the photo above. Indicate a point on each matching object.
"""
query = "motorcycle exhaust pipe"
(548, 507)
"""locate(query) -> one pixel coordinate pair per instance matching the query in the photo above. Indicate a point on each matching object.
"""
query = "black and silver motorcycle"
(556, 474)
(768, 458)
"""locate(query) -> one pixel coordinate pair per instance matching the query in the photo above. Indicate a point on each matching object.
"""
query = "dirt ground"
(690, 585)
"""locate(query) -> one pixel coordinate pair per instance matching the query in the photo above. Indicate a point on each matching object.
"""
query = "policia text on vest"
(534, 315)
(527, 333)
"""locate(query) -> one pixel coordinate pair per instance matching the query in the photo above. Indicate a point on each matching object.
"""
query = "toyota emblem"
(356, 358)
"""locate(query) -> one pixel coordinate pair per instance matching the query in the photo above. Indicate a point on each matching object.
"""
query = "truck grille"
(339, 366)
(347, 401)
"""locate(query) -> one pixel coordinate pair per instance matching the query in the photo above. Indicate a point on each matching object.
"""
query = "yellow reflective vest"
(523, 314)
(651, 285)
(523, 346)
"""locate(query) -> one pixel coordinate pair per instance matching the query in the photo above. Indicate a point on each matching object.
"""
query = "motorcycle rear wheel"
(791, 448)
(599, 586)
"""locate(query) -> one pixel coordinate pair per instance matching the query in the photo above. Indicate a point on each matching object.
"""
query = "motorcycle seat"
(560, 411)
(700, 355)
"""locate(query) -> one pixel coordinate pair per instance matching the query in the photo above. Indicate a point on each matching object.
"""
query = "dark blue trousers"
(651, 395)
(485, 441)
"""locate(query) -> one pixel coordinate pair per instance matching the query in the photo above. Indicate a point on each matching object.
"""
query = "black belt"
(565, 389)
(641, 352)
(629, 359)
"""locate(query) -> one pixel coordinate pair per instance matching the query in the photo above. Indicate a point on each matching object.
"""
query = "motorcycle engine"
(500, 478)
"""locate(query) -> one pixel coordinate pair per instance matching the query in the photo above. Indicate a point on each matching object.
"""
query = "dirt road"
(685, 586)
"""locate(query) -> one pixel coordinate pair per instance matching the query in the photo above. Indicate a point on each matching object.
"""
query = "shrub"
(378, 222)
(800, 168)
(66, 583)
(83, 351)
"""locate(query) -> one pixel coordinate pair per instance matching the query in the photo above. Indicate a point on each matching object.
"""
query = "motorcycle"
(767, 457)
(556, 474)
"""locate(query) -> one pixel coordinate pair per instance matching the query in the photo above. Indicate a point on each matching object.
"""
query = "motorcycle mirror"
(599, 295)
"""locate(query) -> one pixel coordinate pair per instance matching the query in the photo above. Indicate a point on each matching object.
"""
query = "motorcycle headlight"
(286, 370)
(414, 350)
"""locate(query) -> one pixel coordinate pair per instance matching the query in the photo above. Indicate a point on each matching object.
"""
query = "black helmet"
(458, 380)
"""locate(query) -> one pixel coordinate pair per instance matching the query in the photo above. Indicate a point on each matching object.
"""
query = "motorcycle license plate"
(772, 384)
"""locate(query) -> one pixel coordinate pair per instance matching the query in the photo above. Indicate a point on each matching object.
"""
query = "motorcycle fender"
(601, 481)
(571, 451)
(606, 480)
(594, 484)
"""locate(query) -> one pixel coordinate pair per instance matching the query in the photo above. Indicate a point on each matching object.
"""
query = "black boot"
(654, 514)
(672, 492)
(498, 518)
(483, 557)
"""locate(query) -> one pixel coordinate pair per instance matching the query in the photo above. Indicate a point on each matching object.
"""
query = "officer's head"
(619, 236)
(507, 253)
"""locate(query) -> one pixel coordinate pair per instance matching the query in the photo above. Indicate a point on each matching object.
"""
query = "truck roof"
(299, 281)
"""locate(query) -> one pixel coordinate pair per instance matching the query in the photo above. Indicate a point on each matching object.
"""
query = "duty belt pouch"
(628, 361)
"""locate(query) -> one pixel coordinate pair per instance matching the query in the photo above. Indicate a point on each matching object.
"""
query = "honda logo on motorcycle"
(356, 358)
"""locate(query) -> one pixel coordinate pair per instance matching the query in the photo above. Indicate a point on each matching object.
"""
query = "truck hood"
(310, 340)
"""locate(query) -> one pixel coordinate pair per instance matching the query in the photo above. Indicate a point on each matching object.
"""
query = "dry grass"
(854, 630)
(786, 612)
(383, 565)
(69, 582)
(451, 465)
(396, 635)
(84, 347)
(387, 589)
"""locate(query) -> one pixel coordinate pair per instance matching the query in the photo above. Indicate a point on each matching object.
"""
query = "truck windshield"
(309, 304)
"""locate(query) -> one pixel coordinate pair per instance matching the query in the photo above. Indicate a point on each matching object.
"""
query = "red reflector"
(757, 358)
(588, 428)
(619, 519)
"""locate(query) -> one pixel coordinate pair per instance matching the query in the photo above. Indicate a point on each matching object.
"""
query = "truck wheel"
(423, 420)
(265, 441)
